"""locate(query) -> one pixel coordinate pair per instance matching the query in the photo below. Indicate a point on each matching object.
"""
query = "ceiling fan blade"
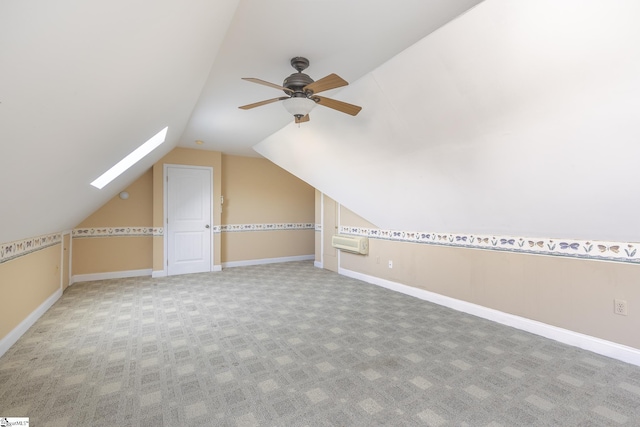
(263, 82)
(258, 104)
(338, 105)
(332, 81)
(302, 119)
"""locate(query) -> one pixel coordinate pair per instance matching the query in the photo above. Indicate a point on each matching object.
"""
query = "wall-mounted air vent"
(354, 244)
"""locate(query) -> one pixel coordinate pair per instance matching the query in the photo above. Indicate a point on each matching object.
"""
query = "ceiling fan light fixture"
(299, 106)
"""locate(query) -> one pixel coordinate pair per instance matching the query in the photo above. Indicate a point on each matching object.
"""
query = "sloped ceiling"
(349, 38)
(82, 84)
(518, 118)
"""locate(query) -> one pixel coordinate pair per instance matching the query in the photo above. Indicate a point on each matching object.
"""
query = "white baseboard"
(565, 336)
(163, 273)
(318, 264)
(248, 262)
(110, 275)
(13, 336)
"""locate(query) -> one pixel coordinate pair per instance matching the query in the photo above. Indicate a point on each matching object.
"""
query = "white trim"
(71, 259)
(62, 267)
(158, 273)
(323, 228)
(12, 337)
(62, 260)
(111, 275)
(163, 273)
(317, 264)
(248, 262)
(565, 336)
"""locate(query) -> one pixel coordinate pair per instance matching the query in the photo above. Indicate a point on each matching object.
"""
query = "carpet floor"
(293, 345)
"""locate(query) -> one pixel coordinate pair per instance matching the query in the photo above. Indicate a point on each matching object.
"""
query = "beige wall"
(25, 283)
(258, 192)
(109, 254)
(136, 211)
(569, 293)
(257, 245)
(255, 192)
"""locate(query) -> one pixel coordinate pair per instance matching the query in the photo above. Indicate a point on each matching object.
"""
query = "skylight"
(131, 159)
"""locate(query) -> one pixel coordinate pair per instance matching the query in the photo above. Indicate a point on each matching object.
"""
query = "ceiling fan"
(301, 92)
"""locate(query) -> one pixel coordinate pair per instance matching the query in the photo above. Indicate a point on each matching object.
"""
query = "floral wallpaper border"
(267, 227)
(585, 249)
(80, 233)
(12, 250)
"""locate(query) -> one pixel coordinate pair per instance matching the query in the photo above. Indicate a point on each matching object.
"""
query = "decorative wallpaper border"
(12, 250)
(584, 249)
(80, 233)
(231, 228)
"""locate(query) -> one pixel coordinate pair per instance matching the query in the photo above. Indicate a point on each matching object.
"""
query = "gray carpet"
(293, 345)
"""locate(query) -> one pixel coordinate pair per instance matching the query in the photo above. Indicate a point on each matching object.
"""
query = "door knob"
(206, 226)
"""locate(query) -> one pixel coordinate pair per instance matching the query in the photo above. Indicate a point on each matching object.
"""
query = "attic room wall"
(118, 236)
(28, 282)
(568, 293)
(268, 214)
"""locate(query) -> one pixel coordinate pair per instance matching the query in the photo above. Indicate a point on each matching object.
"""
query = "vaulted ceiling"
(82, 84)
(488, 117)
(516, 119)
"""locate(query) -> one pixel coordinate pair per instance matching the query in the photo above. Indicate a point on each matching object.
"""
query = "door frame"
(333, 216)
(165, 220)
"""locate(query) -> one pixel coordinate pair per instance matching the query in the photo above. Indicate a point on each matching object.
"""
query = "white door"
(188, 220)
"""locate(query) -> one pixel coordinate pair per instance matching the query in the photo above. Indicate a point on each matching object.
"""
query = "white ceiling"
(82, 84)
(519, 119)
(515, 118)
(349, 38)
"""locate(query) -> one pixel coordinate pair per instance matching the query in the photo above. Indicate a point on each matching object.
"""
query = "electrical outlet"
(390, 264)
(377, 260)
(620, 307)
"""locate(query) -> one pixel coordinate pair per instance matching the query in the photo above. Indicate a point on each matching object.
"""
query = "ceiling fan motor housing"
(299, 80)
(296, 82)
